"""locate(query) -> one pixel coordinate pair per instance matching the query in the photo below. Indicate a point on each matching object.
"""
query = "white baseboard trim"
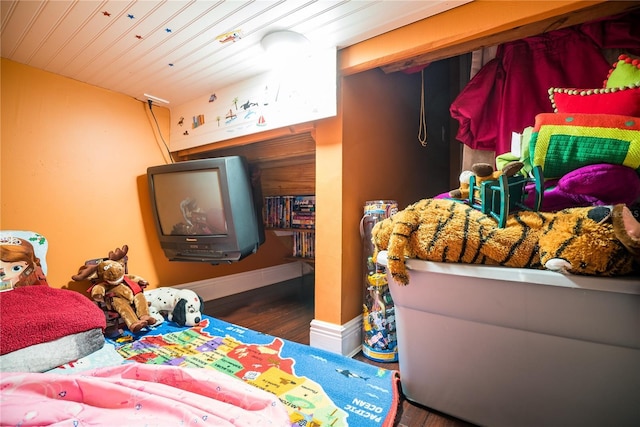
(342, 339)
(218, 287)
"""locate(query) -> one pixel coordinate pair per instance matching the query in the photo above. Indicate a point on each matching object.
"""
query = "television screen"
(190, 203)
(206, 210)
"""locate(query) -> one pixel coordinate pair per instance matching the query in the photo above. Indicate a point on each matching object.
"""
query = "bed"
(212, 373)
(57, 367)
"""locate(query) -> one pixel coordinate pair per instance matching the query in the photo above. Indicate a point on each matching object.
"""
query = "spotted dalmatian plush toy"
(182, 306)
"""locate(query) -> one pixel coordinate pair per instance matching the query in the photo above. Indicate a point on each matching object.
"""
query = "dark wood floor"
(286, 310)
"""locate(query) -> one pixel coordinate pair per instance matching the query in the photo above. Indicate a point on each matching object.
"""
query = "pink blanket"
(37, 314)
(137, 394)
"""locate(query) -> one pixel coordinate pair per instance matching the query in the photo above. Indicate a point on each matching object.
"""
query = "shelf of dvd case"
(293, 216)
(297, 212)
(303, 242)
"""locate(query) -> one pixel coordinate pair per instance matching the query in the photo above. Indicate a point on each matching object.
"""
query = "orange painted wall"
(73, 165)
(330, 261)
(375, 140)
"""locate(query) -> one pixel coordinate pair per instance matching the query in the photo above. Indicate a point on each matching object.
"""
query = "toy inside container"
(378, 317)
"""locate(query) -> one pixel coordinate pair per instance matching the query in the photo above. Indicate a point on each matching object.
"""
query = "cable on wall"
(422, 131)
(166, 146)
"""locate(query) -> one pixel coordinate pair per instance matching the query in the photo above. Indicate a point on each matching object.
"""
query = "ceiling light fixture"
(285, 42)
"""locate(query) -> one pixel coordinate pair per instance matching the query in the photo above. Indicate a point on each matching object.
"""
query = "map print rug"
(318, 387)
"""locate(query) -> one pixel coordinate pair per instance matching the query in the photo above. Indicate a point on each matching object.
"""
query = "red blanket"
(37, 314)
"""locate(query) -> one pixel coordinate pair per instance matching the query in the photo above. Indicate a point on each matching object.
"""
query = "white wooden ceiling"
(174, 49)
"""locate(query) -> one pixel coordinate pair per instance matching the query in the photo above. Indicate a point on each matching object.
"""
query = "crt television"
(206, 210)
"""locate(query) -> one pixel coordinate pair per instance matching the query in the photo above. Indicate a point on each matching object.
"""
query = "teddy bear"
(119, 291)
(595, 240)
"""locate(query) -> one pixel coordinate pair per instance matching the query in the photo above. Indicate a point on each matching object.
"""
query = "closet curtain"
(511, 89)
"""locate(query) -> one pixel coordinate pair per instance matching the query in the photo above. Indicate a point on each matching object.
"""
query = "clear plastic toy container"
(378, 317)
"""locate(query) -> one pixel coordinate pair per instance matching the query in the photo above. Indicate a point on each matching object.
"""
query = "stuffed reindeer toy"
(119, 291)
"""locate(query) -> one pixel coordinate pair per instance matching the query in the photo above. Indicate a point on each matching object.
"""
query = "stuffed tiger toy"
(599, 241)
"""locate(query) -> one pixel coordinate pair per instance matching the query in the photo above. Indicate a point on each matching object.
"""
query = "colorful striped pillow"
(561, 143)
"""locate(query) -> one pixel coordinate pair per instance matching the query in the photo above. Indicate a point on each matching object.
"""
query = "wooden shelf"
(299, 258)
(283, 164)
(287, 233)
(299, 230)
(288, 216)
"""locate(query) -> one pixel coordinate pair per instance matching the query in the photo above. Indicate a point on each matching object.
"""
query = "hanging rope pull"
(422, 131)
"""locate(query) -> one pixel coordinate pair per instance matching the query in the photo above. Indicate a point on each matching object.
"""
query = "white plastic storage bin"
(515, 347)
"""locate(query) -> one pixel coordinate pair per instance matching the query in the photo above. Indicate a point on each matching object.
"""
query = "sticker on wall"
(248, 108)
(197, 121)
(247, 105)
(231, 36)
(231, 116)
(270, 100)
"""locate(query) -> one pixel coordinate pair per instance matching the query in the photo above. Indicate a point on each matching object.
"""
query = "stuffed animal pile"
(117, 290)
(114, 289)
(599, 241)
(587, 149)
